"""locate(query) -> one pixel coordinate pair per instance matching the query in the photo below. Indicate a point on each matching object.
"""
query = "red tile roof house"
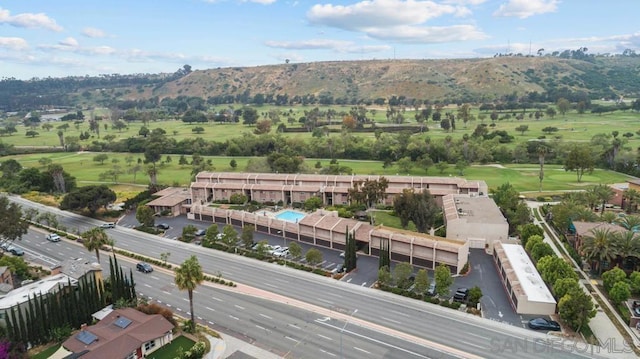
(123, 334)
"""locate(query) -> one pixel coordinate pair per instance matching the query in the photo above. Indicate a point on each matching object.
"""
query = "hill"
(349, 82)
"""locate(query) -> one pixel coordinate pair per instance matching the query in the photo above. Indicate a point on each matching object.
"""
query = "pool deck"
(271, 214)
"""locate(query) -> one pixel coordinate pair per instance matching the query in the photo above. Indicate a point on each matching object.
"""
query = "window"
(149, 345)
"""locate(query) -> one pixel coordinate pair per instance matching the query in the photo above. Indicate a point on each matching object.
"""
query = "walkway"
(611, 340)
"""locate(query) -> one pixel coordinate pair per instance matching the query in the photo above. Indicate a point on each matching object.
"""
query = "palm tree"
(604, 194)
(599, 247)
(94, 239)
(188, 276)
(627, 245)
(631, 197)
(609, 217)
(542, 152)
(629, 222)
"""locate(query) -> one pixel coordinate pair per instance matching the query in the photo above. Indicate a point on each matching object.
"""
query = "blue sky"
(40, 38)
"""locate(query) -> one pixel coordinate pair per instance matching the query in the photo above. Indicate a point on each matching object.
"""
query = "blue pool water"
(290, 216)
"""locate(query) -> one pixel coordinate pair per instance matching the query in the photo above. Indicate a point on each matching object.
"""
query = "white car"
(282, 252)
(52, 237)
(273, 249)
(108, 225)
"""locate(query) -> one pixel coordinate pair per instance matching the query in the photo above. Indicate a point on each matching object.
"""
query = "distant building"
(332, 189)
(174, 200)
(124, 333)
(525, 289)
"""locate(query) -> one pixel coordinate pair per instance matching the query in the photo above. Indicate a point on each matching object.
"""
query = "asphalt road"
(431, 327)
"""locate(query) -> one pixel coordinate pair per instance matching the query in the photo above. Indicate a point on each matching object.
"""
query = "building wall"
(461, 229)
(160, 342)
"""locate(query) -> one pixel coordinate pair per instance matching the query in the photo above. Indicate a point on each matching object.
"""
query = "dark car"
(163, 226)
(544, 324)
(144, 267)
(200, 232)
(461, 295)
(636, 311)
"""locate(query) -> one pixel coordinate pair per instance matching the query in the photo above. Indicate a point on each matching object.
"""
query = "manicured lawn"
(386, 219)
(46, 353)
(169, 350)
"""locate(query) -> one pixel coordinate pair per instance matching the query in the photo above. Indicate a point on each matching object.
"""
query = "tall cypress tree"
(384, 259)
(23, 327)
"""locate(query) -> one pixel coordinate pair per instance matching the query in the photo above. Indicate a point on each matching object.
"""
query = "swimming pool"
(290, 216)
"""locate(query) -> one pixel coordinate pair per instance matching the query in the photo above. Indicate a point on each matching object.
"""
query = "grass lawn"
(169, 351)
(46, 353)
(385, 218)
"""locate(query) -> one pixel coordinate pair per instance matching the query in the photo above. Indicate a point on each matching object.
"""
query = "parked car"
(163, 226)
(200, 232)
(144, 267)
(282, 252)
(52, 237)
(544, 324)
(636, 312)
(108, 225)
(341, 254)
(5, 246)
(461, 295)
(273, 249)
(338, 269)
(432, 289)
(16, 251)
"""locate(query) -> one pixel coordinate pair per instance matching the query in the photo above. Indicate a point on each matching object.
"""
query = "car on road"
(144, 267)
(16, 251)
(544, 324)
(200, 232)
(52, 237)
(163, 226)
(108, 225)
(461, 295)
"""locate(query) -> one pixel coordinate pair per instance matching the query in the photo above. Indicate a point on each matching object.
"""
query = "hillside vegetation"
(542, 78)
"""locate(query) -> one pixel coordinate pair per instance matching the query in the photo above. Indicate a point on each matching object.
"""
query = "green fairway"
(523, 177)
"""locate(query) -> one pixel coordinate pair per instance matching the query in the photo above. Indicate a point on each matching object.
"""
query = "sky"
(55, 38)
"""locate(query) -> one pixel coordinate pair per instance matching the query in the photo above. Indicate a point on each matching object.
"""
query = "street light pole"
(342, 331)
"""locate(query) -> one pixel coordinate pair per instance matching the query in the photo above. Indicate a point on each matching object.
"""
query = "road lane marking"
(362, 350)
(402, 314)
(363, 284)
(154, 277)
(271, 285)
(239, 306)
(218, 299)
(232, 317)
(473, 345)
(165, 292)
(294, 326)
(185, 299)
(324, 337)
(178, 309)
(478, 336)
(292, 339)
(147, 285)
(211, 309)
(326, 352)
(325, 300)
(265, 316)
(391, 320)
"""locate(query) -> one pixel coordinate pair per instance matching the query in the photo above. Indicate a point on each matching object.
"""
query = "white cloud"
(13, 43)
(464, 2)
(93, 32)
(526, 8)
(69, 42)
(263, 2)
(29, 20)
(323, 44)
(429, 35)
(377, 14)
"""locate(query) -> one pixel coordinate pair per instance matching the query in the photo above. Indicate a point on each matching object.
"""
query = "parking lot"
(495, 304)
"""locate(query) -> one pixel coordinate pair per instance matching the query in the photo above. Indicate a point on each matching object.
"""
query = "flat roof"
(474, 209)
(43, 286)
(528, 277)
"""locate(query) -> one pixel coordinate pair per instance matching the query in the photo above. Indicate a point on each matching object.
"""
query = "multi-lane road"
(302, 315)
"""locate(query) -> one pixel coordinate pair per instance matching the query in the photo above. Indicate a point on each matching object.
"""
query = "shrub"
(465, 268)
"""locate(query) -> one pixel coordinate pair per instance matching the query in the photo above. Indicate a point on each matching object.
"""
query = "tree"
(312, 203)
(563, 105)
(532, 241)
(540, 250)
(401, 273)
(189, 233)
(262, 127)
(89, 197)
(295, 250)
(13, 226)
(144, 215)
(164, 256)
(405, 164)
(528, 230)
(350, 256)
(475, 294)
(384, 276)
(420, 208)
(443, 279)
(461, 165)
(198, 130)
(563, 286)
(620, 292)
(100, 158)
(579, 159)
(384, 254)
(522, 129)
(247, 236)
(94, 239)
(313, 256)
(442, 166)
(599, 247)
(233, 164)
(249, 116)
(576, 309)
(611, 277)
(542, 153)
(422, 281)
(188, 277)
(552, 268)
(229, 236)
(631, 198)
(31, 133)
